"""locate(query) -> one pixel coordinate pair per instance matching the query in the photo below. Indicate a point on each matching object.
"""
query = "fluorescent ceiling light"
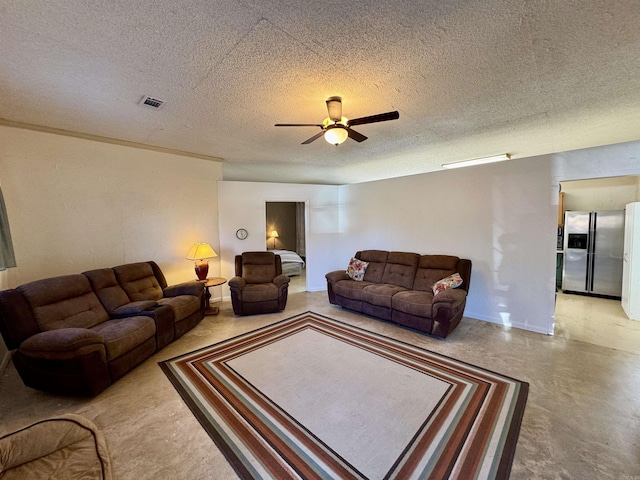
(477, 161)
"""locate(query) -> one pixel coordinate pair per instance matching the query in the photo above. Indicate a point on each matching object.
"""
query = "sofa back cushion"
(64, 302)
(104, 284)
(400, 269)
(259, 267)
(377, 260)
(138, 281)
(433, 268)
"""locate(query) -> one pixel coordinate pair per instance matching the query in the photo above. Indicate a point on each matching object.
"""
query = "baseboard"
(518, 325)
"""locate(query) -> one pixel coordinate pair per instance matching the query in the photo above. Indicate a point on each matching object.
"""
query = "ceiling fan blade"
(298, 125)
(334, 107)
(358, 137)
(315, 137)
(381, 117)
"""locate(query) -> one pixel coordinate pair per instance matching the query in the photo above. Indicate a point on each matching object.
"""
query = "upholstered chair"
(68, 446)
(259, 285)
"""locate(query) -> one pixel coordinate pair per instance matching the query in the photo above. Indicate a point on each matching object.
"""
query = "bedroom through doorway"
(285, 236)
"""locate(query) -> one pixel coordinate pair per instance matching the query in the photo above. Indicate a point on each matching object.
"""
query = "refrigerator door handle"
(590, 251)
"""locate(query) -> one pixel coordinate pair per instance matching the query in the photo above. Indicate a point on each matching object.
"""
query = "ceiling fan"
(337, 128)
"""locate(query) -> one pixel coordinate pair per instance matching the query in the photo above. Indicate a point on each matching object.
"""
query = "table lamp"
(274, 235)
(200, 253)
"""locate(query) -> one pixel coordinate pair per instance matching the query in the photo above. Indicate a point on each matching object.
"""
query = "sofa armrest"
(63, 343)
(336, 276)
(447, 300)
(237, 282)
(451, 295)
(133, 308)
(188, 288)
(281, 280)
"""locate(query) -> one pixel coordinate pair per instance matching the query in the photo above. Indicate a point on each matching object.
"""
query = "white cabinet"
(631, 262)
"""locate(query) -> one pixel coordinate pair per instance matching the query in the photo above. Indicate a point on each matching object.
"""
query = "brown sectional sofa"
(397, 286)
(77, 334)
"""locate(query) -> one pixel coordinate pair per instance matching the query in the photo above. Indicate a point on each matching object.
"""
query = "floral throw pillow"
(356, 269)
(452, 281)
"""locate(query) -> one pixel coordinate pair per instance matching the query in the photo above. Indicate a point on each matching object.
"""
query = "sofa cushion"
(433, 268)
(414, 302)
(138, 281)
(376, 259)
(63, 343)
(64, 302)
(350, 288)
(258, 273)
(182, 305)
(380, 294)
(401, 269)
(124, 334)
(104, 283)
(356, 269)
(262, 292)
(258, 267)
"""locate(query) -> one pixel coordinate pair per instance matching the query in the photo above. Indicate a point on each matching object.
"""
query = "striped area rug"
(311, 397)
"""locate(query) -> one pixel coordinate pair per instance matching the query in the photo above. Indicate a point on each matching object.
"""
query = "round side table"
(212, 282)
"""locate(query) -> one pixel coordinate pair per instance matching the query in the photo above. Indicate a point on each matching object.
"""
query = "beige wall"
(76, 204)
(611, 193)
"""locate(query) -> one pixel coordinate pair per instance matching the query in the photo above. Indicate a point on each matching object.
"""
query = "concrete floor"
(599, 321)
(581, 422)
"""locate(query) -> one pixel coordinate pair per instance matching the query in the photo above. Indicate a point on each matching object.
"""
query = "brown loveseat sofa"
(77, 334)
(397, 286)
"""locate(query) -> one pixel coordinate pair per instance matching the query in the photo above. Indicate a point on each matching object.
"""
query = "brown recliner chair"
(259, 285)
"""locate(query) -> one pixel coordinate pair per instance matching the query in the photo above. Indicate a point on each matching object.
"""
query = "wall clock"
(241, 233)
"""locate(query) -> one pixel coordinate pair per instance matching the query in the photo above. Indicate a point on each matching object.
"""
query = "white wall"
(76, 204)
(242, 205)
(500, 216)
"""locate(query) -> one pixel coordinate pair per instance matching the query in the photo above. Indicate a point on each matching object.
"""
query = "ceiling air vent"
(147, 101)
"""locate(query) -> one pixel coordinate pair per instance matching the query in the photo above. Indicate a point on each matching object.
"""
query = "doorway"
(591, 319)
(285, 233)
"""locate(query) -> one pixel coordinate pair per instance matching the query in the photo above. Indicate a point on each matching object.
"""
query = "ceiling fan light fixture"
(336, 134)
(334, 107)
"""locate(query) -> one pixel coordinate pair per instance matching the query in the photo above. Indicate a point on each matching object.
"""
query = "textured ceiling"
(469, 78)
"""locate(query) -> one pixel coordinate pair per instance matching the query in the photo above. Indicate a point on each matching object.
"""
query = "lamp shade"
(274, 234)
(201, 251)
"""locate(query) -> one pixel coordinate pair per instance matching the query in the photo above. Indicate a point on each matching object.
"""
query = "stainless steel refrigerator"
(593, 252)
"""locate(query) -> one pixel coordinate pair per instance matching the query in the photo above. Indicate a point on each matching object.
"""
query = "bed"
(292, 263)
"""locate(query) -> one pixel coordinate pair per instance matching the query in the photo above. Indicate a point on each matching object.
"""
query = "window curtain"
(7, 257)
(300, 240)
